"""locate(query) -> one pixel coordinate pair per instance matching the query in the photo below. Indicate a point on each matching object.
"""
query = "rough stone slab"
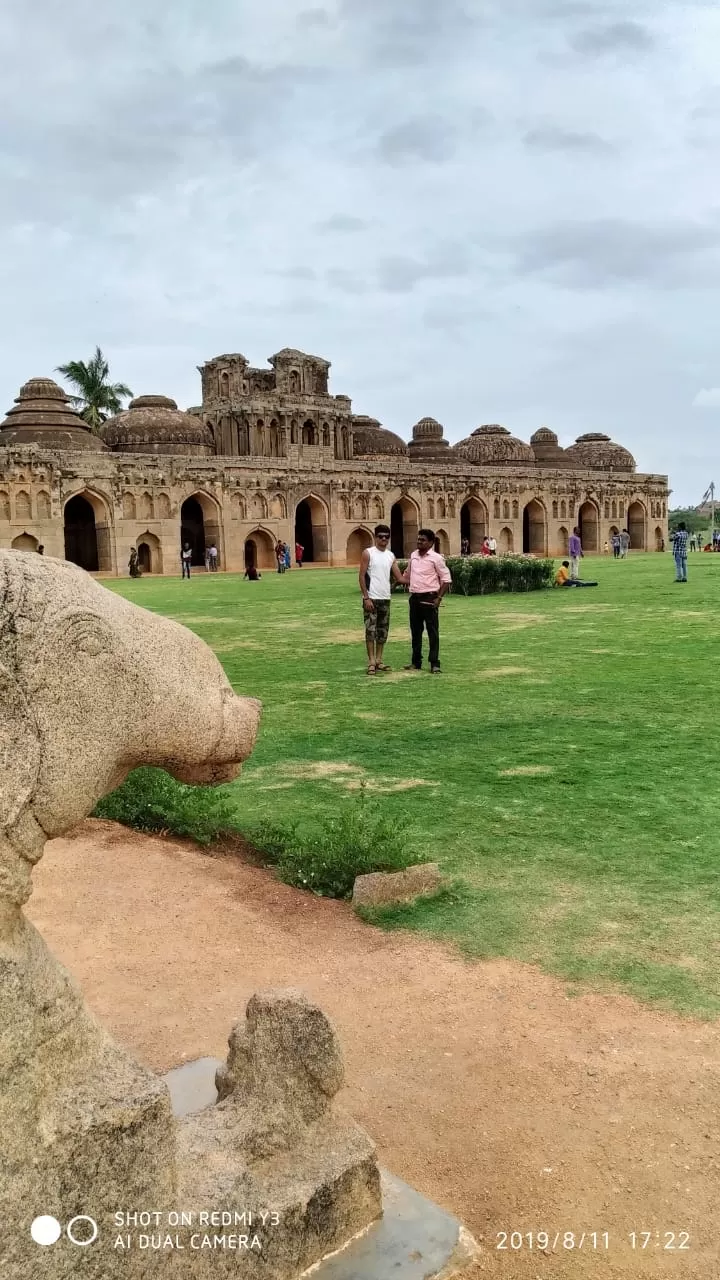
(381, 887)
(414, 1240)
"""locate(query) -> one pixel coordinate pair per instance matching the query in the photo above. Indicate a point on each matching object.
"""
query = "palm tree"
(97, 398)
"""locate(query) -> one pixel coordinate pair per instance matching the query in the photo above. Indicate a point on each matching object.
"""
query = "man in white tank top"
(378, 567)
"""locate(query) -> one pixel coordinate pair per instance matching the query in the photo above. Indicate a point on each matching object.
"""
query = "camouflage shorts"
(377, 621)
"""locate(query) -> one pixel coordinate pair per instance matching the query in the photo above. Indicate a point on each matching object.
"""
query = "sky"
(501, 211)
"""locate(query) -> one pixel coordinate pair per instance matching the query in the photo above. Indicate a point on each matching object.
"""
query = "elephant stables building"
(270, 455)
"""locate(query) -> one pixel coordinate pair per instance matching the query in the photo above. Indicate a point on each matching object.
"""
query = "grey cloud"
(345, 281)
(411, 32)
(296, 273)
(315, 18)
(400, 274)
(428, 138)
(553, 138)
(343, 222)
(613, 37)
(603, 252)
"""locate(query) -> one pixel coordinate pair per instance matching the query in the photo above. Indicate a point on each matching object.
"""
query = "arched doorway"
(534, 542)
(442, 543)
(200, 525)
(563, 538)
(81, 541)
(505, 542)
(473, 523)
(404, 524)
(192, 529)
(311, 530)
(149, 553)
(659, 540)
(588, 520)
(25, 542)
(259, 550)
(358, 542)
(636, 526)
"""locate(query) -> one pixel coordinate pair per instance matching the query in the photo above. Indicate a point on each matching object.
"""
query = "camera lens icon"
(81, 1230)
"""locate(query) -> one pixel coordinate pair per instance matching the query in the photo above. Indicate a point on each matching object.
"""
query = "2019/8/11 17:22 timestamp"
(587, 1241)
(671, 1241)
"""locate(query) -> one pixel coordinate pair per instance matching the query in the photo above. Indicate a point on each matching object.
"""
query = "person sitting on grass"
(563, 579)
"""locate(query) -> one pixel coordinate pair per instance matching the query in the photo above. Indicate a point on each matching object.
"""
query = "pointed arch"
(312, 529)
(87, 528)
(636, 521)
(589, 524)
(23, 505)
(359, 540)
(129, 509)
(473, 523)
(25, 542)
(404, 525)
(534, 528)
(44, 506)
(260, 549)
(149, 552)
(146, 506)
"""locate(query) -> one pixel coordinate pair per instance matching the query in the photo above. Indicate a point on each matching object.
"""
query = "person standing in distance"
(185, 559)
(428, 578)
(377, 566)
(575, 552)
(679, 546)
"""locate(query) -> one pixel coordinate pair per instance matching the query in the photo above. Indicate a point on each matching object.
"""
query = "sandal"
(372, 669)
(381, 667)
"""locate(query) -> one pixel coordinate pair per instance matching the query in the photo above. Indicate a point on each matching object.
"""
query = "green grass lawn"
(563, 765)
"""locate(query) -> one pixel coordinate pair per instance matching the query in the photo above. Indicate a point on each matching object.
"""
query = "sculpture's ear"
(19, 750)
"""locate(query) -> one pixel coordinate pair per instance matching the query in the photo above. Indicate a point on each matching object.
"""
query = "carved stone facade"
(270, 455)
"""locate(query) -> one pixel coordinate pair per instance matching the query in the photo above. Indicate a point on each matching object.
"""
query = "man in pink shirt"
(428, 578)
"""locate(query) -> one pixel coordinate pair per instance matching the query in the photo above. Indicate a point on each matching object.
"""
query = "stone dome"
(599, 452)
(154, 424)
(372, 440)
(428, 441)
(544, 444)
(42, 415)
(494, 445)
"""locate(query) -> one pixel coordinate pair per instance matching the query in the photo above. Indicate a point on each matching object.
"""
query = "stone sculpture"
(91, 687)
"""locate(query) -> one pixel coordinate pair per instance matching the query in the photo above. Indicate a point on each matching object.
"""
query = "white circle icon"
(45, 1229)
(82, 1217)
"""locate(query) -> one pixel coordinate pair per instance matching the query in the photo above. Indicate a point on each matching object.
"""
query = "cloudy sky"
(484, 210)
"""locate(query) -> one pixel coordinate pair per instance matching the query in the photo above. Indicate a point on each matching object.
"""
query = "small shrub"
(486, 575)
(325, 857)
(150, 800)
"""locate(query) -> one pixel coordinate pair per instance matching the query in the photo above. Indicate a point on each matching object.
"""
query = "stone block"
(382, 888)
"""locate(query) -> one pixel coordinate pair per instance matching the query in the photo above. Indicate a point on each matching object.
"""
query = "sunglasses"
(382, 536)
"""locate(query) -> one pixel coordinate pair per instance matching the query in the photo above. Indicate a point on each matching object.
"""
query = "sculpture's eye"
(85, 634)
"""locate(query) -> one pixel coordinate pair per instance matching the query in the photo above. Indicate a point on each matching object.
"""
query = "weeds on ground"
(325, 856)
(150, 800)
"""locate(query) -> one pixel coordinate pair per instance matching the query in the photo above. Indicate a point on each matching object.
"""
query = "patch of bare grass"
(495, 673)
(526, 771)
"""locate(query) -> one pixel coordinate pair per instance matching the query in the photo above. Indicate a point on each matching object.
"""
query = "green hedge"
(485, 575)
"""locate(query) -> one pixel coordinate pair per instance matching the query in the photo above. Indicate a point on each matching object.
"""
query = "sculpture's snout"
(240, 720)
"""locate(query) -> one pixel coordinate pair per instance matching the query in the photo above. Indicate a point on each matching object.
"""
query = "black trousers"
(423, 615)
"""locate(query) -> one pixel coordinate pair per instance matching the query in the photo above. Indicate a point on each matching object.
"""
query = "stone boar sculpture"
(90, 687)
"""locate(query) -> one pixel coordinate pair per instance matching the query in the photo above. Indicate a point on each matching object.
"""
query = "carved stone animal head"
(90, 687)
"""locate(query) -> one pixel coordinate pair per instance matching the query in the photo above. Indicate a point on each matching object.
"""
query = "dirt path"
(483, 1085)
